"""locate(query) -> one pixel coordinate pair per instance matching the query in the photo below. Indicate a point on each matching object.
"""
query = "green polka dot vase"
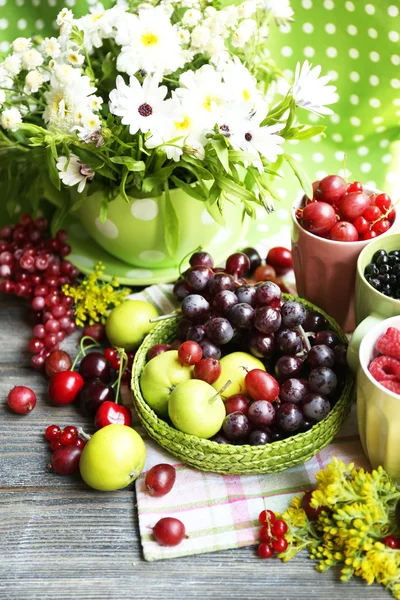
(135, 232)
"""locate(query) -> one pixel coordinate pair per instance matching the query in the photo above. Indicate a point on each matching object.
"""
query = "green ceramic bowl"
(225, 458)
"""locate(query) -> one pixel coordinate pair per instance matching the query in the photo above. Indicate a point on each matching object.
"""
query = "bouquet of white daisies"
(142, 98)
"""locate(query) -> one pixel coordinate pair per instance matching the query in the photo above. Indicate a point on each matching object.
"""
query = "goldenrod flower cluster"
(93, 298)
(359, 511)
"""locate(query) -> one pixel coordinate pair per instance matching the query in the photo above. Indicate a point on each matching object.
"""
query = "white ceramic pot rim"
(297, 205)
(366, 351)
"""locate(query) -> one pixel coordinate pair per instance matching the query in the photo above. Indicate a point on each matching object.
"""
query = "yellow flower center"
(97, 16)
(246, 95)
(207, 102)
(149, 39)
(183, 125)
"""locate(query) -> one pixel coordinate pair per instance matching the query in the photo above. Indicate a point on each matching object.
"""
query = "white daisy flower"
(155, 45)
(31, 59)
(21, 44)
(50, 47)
(243, 33)
(184, 36)
(200, 37)
(10, 119)
(230, 15)
(310, 91)
(65, 73)
(144, 107)
(95, 102)
(240, 82)
(101, 24)
(204, 90)
(74, 172)
(65, 100)
(12, 64)
(280, 10)
(33, 81)
(246, 9)
(2, 97)
(65, 17)
(74, 58)
(215, 46)
(191, 17)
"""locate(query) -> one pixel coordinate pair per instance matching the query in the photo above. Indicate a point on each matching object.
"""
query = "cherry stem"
(82, 351)
(213, 399)
(304, 338)
(385, 215)
(122, 366)
(84, 435)
(165, 317)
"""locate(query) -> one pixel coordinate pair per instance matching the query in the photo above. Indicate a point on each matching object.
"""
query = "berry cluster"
(67, 446)
(32, 266)
(345, 212)
(383, 273)
(272, 534)
(385, 368)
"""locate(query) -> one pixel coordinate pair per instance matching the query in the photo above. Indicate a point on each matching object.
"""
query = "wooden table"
(63, 541)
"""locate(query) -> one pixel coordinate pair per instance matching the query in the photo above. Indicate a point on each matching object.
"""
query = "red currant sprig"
(68, 436)
(272, 534)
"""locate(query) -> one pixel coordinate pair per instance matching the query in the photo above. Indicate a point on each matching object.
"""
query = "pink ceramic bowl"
(325, 270)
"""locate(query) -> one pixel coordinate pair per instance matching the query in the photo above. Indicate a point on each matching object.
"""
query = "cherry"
(279, 528)
(381, 226)
(65, 460)
(160, 479)
(361, 224)
(110, 354)
(92, 395)
(237, 403)
(52, 433)
(356, 186)
(64, 387)
(95, 365)
(383, 202)
(190, 353)
(110, 413)
(353, 205)
(254, 258)
(343, 231)
(169, 531)
(238, 264)
(266, 516)
(371, 213)
(331, 189)
(208, 370)
(318, 217)
(265, 551)
(281, 259)
(157, 349)
(265, 273)
(261, 385)
(21, 400)
(56, 362)
(391, 542)
(279, 544)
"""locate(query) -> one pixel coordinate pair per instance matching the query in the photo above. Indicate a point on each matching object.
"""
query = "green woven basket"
(225, 458)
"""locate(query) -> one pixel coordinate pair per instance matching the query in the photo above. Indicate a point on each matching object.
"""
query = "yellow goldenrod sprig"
(93, 298)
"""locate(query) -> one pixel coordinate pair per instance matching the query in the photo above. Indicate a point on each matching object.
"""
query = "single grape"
(169, 531)
(241, 315)
(318, 218)
(320, 356)
(315, 322)
(190, 353)
(160, 479)
(197, 278)
(340, 353)
(219, 282)
(202, 259)
(261, 413)
(343, 231)
(196, 333)
(236, 427)
(353, 205)
(218, 438)
(293, 314)
(156, 350)
(57, 361)
(183, 328)
(254, 258)
(237, 403)
(289, 341)
(315, 407)
(224, 301)
(289, 417)
(208, 370)
(219, 330)
(331, 189)
(247, 294)
(267, 319)
(238, 264)
(322, 380)
(210, 350)
(327, 338)
(294, 390)
(65, 460)
(287, 367)
(259, 437)
(262, 345)
(195, 307)
(268, 294)
(261, 385)
(181, 289)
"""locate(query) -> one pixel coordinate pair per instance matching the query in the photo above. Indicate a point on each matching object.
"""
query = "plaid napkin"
(221, 511)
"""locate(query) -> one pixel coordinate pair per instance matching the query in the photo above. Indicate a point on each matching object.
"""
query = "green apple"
(160, 377)
(234, 368)
(112, 458)
(194, 407)
(129, 322)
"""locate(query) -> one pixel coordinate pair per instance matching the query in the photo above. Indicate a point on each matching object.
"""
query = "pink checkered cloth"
(221, 511)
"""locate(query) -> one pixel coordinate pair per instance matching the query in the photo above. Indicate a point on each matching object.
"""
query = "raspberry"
(385, 368)
(393, 386)
(389, 343)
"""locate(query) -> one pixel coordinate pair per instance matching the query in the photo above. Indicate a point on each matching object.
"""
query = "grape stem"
(165, 317)
(213, 399)
(304, 338)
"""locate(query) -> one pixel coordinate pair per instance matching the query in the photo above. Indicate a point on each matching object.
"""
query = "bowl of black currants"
(276, 362)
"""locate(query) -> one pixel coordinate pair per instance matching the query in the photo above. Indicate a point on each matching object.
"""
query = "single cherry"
(64, 387)
(110, 413)
(92, 395)
(95, 365)
(280, 259)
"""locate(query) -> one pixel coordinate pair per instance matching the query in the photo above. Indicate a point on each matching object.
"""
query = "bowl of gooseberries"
(275, 364)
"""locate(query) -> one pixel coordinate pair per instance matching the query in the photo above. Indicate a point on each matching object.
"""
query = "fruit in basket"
(195, 408)
(112, 458)
(208, 369)
(234, 368)
(261, 385)
(129, 322)
(160, 377)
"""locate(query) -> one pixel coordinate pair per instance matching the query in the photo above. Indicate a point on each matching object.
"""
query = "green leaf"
(300, 174)
(77, 36)
(277, 111)
(289, 122)
(60, 214)
(91, 159)
(215, 212)
(171, 224)
(201, 171)
(52, 169)
(301, 133)
(240, 156)
(35, 193)
(122, 185)
(107, 65)
(230, 187)
(191, 189)
(106, 172)
(222, 153)
(130, 163)
(158, 178)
